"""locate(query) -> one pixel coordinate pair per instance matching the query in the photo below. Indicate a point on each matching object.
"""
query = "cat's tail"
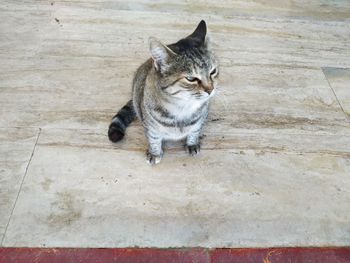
(121, 121)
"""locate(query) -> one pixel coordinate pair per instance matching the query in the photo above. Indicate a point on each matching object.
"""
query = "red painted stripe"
(94, 255)
(281, 255)
(138, 255)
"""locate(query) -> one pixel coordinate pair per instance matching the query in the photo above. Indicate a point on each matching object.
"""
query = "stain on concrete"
(272, 121)
(216, 119)
(46, 184)
(66, 210)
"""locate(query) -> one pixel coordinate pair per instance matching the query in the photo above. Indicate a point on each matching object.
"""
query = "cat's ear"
(208, 43)
(200, 32)
(160, 54)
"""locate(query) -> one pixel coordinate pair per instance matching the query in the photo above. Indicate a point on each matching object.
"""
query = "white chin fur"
(212, 93)
(206, 96)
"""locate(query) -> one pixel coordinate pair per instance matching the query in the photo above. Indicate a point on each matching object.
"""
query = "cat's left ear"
(207, 42)
(160, 53)
(200, 32)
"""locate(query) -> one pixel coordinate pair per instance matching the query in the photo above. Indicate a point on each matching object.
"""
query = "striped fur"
(171, 93)
(120, 121)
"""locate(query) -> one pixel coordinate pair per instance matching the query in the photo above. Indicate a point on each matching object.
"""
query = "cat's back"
(141, 75)
(138, 85)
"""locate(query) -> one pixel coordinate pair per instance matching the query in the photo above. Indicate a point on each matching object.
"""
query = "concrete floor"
(275, 164)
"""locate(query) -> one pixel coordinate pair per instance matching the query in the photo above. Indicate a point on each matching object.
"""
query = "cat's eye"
(213, 71)
(191, 79)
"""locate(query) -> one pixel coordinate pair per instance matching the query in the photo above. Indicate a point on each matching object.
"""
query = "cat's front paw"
(193, 149)
(153, 159)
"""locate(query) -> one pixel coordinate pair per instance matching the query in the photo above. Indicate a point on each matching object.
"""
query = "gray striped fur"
(171, 92)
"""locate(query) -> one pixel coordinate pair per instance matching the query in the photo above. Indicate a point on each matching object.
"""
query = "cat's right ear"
(160, 54)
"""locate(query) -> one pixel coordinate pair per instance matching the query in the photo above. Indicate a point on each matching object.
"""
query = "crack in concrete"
(20, 187)
(335, 95)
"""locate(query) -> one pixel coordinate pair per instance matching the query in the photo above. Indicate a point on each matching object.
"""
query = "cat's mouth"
(210, 93)
(204, 95)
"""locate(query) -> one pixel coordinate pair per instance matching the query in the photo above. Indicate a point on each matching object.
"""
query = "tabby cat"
(170, 94)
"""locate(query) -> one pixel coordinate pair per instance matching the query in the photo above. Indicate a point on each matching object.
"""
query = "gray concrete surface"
(275, 164)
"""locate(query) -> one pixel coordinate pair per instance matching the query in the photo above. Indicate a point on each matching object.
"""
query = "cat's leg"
(155, 150)
(192, 142)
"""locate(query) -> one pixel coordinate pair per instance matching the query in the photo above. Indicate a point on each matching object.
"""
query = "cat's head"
(187, 68)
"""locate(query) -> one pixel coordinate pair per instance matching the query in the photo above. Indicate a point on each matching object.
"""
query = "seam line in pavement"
(335, 95)
(20, 187)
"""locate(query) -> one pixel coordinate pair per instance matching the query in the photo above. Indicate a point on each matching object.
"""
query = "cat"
(171, 93)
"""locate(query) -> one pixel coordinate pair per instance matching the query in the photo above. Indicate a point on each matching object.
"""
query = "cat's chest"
(182, 120)
(184, 110)
(177, 132)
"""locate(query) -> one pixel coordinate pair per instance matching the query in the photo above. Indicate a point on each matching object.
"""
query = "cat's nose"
(207, 86)
(209, 89)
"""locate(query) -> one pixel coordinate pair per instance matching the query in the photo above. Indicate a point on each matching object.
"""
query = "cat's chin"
(206, 96)
(212, 93)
